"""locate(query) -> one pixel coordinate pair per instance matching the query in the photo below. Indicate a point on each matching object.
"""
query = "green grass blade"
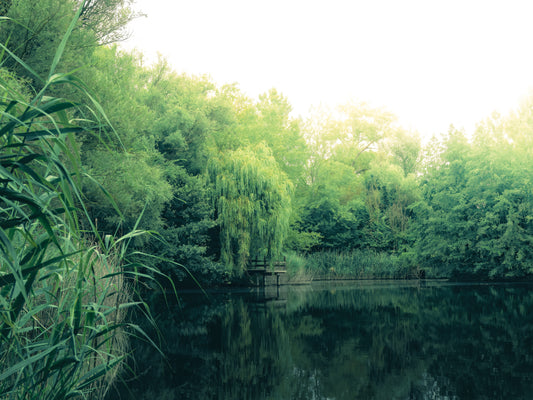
(64, 40)
(22, 63)
(16, 368)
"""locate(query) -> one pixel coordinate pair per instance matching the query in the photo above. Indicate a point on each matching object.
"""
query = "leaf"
(64, 40)
(18, 367)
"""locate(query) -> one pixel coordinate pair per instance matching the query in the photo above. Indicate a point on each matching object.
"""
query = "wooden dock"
(263, 268)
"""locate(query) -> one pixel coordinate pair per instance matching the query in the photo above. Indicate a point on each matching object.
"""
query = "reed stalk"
(62, 298)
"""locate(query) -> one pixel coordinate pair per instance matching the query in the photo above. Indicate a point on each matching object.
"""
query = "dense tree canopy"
(476, 218)
(220, 178)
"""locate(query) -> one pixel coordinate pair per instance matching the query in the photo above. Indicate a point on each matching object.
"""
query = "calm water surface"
(342, 341)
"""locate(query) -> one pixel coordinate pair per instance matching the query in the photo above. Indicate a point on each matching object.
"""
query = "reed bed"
(356, 264)
(62, 298)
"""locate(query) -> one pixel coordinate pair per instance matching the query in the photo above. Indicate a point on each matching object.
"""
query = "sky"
(432, 63)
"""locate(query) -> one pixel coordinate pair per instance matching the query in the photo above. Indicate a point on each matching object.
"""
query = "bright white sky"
(432, 63)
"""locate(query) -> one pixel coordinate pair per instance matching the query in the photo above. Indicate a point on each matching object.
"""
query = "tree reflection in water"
(358, 341)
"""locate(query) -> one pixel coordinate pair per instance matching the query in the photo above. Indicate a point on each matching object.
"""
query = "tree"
(475, 220)
(355, 196)
(339, 226)
(35, 27)
(404, 149)
(253, 202)
(281, 133)
(182, 114)
(133, 183)
(185, 115)
(107, 19)
(350, 133)
(188, 232)
(389, 198)
(123, 159)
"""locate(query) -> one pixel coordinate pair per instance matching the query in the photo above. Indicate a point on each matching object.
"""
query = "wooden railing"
(262, 264)
(264, 267)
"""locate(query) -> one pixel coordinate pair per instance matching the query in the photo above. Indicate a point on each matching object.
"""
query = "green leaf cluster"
(253, 200)
(476, 217)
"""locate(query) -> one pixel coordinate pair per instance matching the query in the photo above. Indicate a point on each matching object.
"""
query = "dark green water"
(349, 341)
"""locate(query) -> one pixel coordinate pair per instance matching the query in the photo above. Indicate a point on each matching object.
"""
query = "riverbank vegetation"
(97, 147)
(220, 178)
(65, 286)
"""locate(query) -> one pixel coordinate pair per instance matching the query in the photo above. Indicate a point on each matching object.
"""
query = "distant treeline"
(218, 178)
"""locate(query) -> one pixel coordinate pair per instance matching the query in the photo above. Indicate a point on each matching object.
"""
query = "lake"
(352, 340)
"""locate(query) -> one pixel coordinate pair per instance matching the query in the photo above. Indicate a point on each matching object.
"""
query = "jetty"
(260, 269)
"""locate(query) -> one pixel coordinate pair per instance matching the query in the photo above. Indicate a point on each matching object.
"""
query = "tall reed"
(61, 298)
(357, 264)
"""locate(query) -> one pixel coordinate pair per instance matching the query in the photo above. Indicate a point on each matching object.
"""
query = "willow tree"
(253, 202)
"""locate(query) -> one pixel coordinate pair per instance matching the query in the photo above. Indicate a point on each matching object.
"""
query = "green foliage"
(136, 186)
(60, 298)
(220, 178)
(338, 226)
(253, 203)
(107, 19)
(302, 241)
(350, 134)
(189, 233)
(184, 116)
(63, 292)
(358, 264)
(35, 29)
(389, 197)
(405, 150)
(476, 220)
(282, 134)
(359, 190)
(123, 159)
(114, 77)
